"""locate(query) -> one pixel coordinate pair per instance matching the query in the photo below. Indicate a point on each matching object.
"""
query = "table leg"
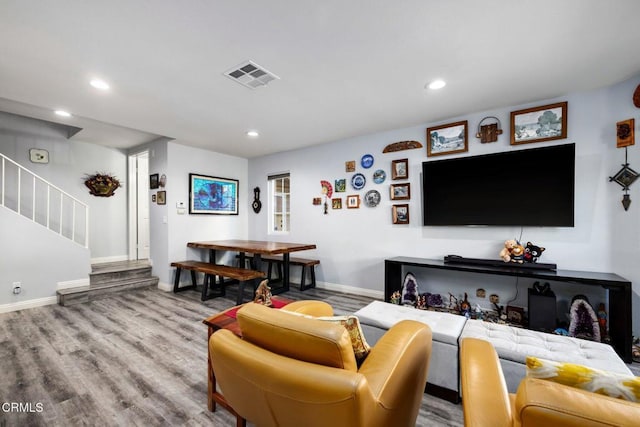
(285, 273)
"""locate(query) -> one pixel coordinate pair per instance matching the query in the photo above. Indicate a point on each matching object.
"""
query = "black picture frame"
(154, 181)
(213, 195)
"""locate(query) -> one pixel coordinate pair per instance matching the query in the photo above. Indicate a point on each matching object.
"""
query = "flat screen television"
(531, 187)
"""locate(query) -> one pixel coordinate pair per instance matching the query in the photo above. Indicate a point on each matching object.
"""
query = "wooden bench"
(211, 271)
(301, 262)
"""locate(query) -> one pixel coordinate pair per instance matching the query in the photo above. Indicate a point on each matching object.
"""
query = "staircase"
(107, 278)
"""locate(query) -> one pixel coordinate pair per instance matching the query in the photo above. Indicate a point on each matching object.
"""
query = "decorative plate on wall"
(358, 181)
(372, 198)
(366, 161)
(379, 176)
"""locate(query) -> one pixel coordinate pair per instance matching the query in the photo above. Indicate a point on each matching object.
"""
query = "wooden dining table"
(257, 248)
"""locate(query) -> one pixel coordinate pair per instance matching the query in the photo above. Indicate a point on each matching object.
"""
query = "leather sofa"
(537, 402)
(290, 370)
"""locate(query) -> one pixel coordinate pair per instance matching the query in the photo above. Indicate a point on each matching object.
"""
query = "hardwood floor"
(136, 358)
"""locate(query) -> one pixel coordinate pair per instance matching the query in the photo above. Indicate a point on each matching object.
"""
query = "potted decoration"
(102, 184)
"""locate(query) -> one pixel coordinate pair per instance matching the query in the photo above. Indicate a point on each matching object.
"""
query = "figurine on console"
(263, 294)
(532, 252)
(513, 251)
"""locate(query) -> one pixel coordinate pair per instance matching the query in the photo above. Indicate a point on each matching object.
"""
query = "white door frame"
(136, 186)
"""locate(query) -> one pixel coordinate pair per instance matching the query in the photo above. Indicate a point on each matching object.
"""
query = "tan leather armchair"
(486, 402)
(295, 371)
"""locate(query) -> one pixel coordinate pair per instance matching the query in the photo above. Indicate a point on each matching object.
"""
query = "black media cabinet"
(619, 289)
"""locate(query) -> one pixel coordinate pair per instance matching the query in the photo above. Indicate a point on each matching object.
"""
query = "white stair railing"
(37, 199)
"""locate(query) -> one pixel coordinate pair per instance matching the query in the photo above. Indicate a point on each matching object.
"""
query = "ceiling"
(346, 68)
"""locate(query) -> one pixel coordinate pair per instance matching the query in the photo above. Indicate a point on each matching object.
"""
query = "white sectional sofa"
(512, 344)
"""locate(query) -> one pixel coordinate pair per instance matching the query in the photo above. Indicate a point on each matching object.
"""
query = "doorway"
(139, 240)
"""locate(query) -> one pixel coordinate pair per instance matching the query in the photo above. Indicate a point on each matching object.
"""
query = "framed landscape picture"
(538, 124)
(400, 169)
(447, 139)
(400, 191)
(400, 214)
(212, 195)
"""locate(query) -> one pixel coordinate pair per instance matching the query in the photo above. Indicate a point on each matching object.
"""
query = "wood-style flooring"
(135, 358)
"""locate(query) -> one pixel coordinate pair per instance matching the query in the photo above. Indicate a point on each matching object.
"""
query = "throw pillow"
(589, 379)
(351, 323)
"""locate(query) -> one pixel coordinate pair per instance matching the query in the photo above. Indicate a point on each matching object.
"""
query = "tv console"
(619, 289)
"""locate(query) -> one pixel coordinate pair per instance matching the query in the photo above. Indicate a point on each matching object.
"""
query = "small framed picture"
(353, 201)
(341, 185)
(154, 181)
(162, 197)
(350, 166)
(538, 124)
(400, 214)
(625, 133)
(447, 139)
(400, 191)
(153, 198)
(336, 203)
(400, 169)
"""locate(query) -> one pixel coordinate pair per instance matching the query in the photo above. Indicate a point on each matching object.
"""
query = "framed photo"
(153, 198)
(515, 315)
(625, 133)
(336, 203)
(400, 169)
(400, 191)
(447, 139)
(154, 181)
(538, 124)
(341, 185)
(212, 195)
(353, 201)
(400, 214)
(350, 166)
(162, 197)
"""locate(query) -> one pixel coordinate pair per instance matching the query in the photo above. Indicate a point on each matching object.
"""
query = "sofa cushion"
(602, 382)
(445, 327)
(516, 344)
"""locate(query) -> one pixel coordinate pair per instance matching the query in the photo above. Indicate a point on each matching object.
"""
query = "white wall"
(353, 243)
(69, 162)
(180, 229)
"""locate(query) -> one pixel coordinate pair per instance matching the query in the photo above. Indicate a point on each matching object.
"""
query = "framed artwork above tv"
(537, 124)
(212, 195)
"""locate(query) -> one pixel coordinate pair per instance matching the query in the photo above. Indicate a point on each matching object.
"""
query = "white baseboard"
(32, 303)
(68, 284)
(167, 287)
(115, 258)
(350, 290)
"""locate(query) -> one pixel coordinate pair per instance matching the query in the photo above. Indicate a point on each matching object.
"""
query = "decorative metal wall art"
(489, 132)
(625, 177)
(102, 184)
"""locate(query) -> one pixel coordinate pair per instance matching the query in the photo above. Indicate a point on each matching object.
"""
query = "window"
(280, 203)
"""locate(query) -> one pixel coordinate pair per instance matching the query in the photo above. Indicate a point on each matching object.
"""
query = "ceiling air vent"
(250, 74)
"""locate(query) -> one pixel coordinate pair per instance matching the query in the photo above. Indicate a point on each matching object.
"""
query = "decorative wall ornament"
(102, 184)
(401, 145)
(489, 132)
(636, 97)
(257, 204)
(625, 133)
(624, 178)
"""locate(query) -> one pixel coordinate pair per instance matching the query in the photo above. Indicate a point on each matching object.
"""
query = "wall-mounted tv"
(533, 187)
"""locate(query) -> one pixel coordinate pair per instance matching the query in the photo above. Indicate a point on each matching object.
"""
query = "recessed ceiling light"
(99, 84)
(437, 84)
(62, 113)
(253, 133)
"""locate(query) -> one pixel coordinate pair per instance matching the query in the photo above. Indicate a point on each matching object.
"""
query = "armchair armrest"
(396, 368)
(485, 399)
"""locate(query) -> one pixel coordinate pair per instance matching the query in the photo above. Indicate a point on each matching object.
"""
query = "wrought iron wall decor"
(625, 177)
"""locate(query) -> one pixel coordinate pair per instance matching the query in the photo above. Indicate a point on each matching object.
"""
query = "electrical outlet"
(17, 287)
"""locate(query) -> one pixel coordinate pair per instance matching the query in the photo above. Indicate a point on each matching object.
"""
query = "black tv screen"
(532, 187)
